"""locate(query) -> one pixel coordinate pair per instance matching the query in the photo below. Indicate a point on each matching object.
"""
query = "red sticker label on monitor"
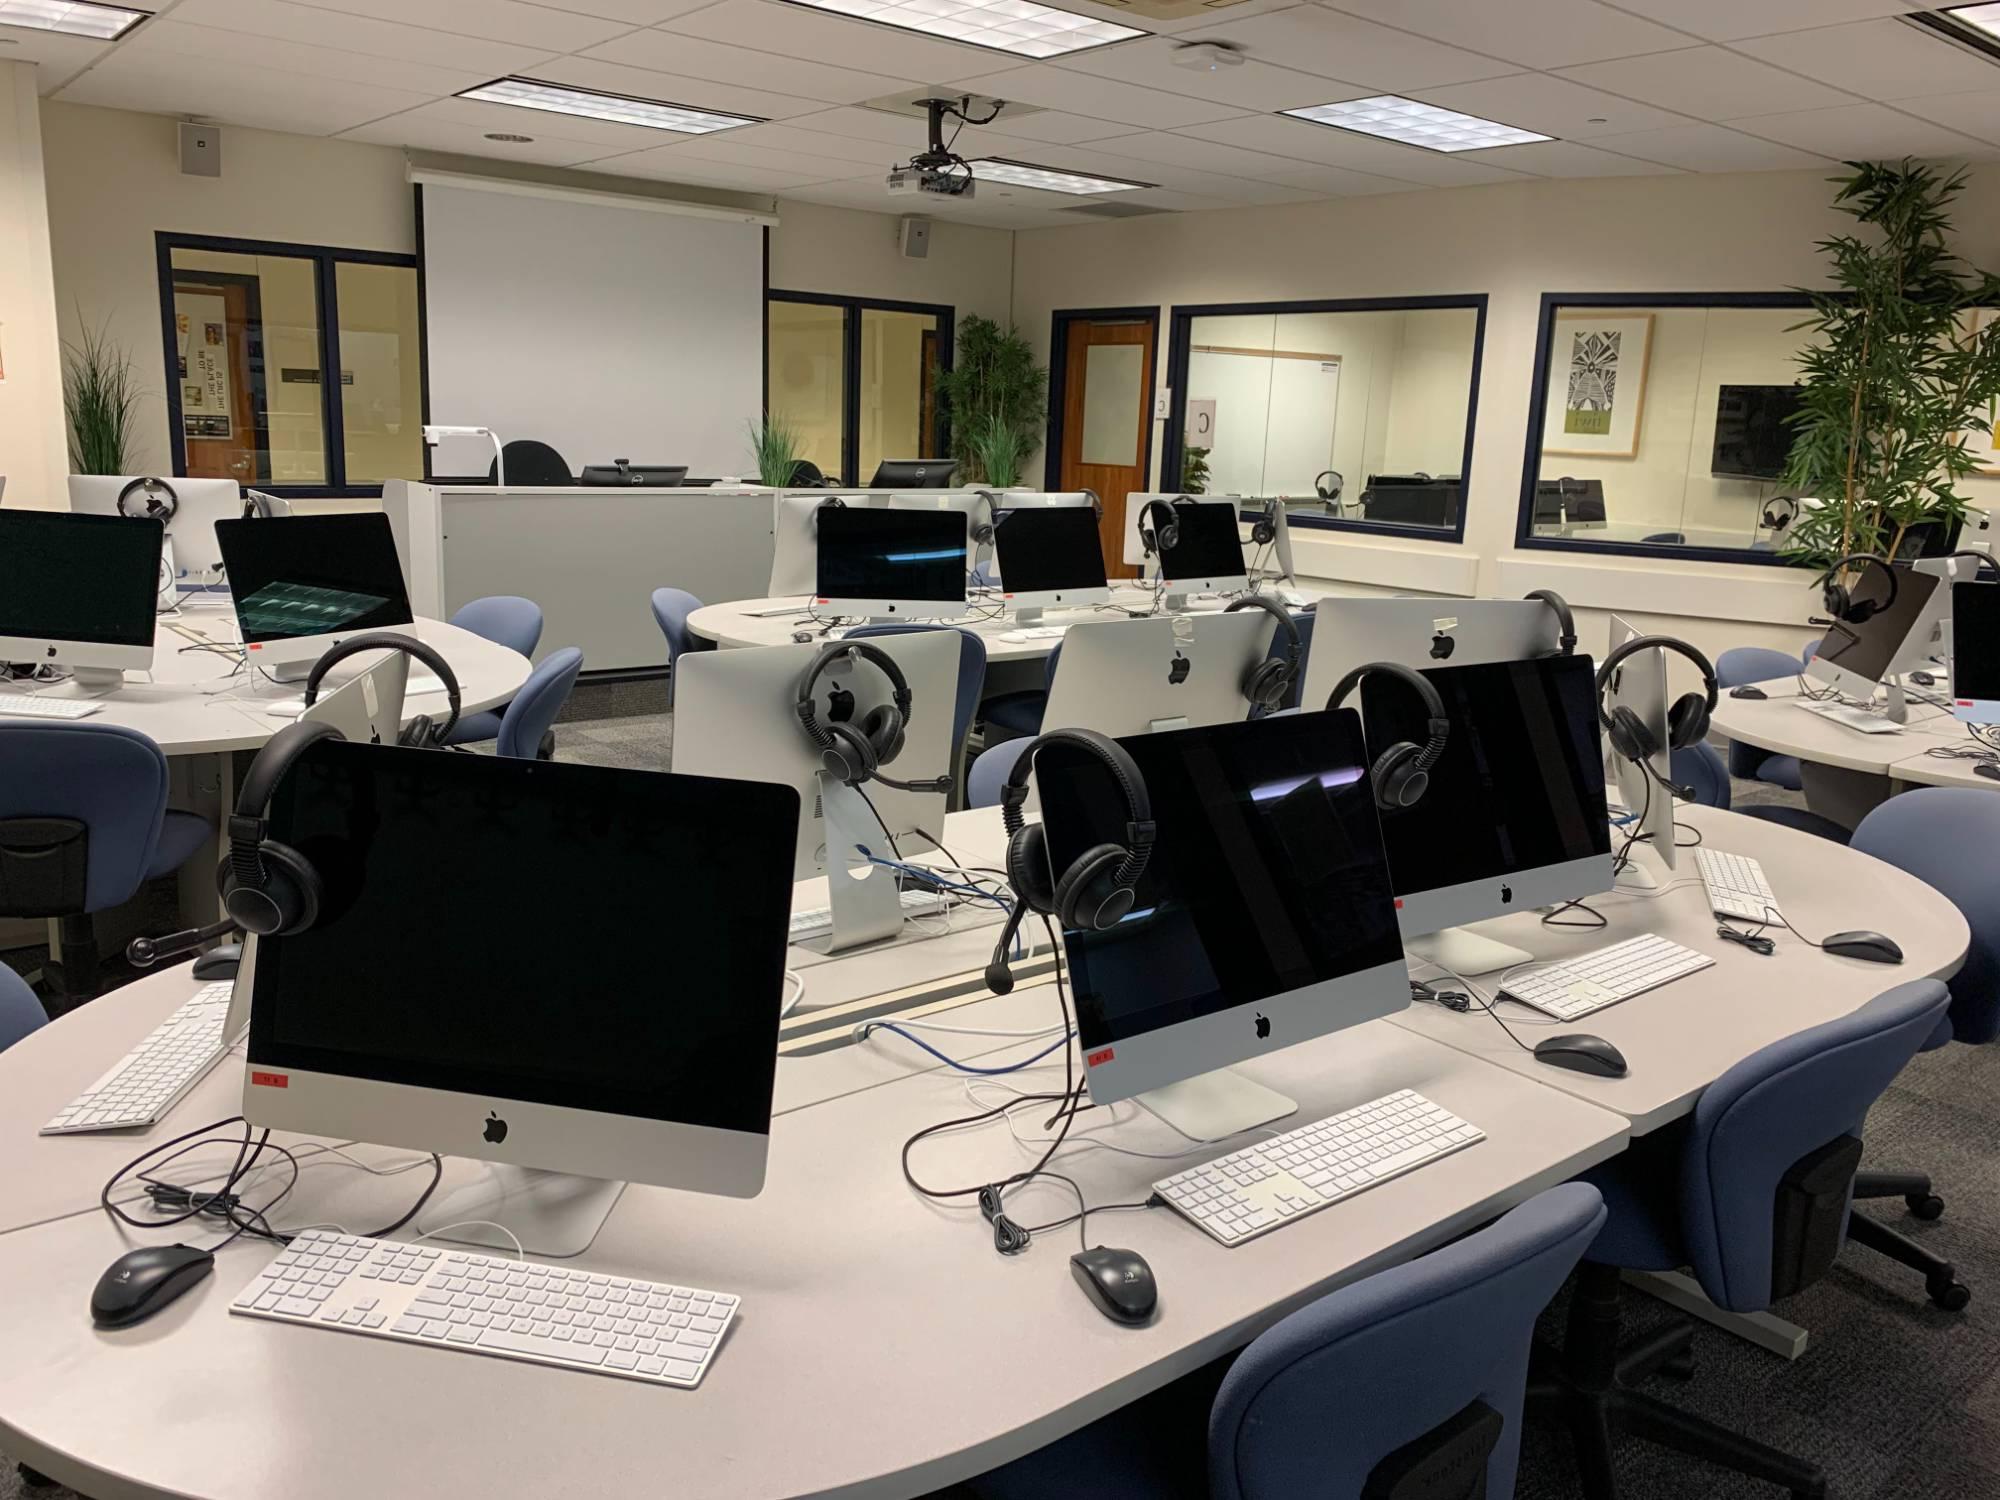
(271, 1080)
(1399, 903)
(1099, 1057)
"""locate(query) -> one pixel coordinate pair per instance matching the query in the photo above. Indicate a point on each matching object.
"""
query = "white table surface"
(1680, 1038)
(191, 703)
(1778, 724)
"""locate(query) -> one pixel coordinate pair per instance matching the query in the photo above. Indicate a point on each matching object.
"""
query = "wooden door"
(1107, 417)
(217, 323)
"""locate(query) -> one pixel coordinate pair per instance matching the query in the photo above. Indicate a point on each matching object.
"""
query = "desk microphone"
(143, 953)
(1000, 978)
(931, 784)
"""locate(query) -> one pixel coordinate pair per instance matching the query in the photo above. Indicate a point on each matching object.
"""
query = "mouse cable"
(867, 1028)
(1081, 1218)
(1487, 1006)
(872, 808)
(1772, 916)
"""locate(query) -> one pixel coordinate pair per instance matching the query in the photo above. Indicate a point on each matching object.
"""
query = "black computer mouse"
(1581, 1052)
(1872, 946)
(1119, 1283)
(141, 1282)
(1987, 769)
(1748, 691)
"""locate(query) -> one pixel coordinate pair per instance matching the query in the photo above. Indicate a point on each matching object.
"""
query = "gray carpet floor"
(1897, 1400)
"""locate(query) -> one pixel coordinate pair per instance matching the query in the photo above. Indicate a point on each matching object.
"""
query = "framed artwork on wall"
(1597, 384)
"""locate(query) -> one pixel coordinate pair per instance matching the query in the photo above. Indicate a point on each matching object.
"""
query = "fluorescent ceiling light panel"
(106, 23)
(1048, 179)
(1017, 26)
(1984, 18)
(620, 109)
(1415, 123)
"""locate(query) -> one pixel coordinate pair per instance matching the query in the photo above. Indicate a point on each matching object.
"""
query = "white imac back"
(1126, 677)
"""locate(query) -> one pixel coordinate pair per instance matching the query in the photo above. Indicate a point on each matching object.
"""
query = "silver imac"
(892, 564)
(1051, 557)
(549, 1084)
(304, 585)
(1207, 556)
(1640, 684)
(1265, 916)
(1855, 657)
(1420, 633)
(795, 535)
(79, 591)
(1123, 677)
(1975, 661)
(368, 707)
(189, 507)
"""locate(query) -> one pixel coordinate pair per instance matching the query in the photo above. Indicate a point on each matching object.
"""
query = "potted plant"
(1194, 470)
(993, 377)
(1900, 370)
(100, 402)
(774, 446)
(998, 447)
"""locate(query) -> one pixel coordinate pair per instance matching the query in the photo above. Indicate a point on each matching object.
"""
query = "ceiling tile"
(800, 31)
(1250, 85)
(1061, 127)
(496, 20)
(1709, 148)
(1569, 159)
(799, 136)
(300, 103)
(1315, 40)
(313, 26)
(1345, 148)
(1337, 182)
(236, 49)
(1725, 20)
(429, 132)
(721, 152)
(1857, 131)
(694, 57)
(1553, 106)
(57, 58)
(638, 12)
(1878, 59)
(1173, 150)
(644, 83)
(1099, 98)
(1976, 114)
(666, 164)
(1707, 83)
(511, 120)
(1533, 33)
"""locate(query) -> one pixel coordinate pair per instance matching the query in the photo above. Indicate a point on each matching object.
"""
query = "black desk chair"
(532, 463)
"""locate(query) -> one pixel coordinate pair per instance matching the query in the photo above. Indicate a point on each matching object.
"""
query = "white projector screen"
(606, 332)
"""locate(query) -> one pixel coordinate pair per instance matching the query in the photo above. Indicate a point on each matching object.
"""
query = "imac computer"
(1264, 918)
(1275, 520)
(303, 586)
(1975, 661)
(1050, 558)
(1855, 656)
(1645, 791)
(1207, 555)
(891, 564)
(914, 474)
(1514, 815)
(1421, 633)
(421, 1011)
(79, 591)
(1124, 677)
(188, 507)
(368, 708)
(737, 717)
(795, 535)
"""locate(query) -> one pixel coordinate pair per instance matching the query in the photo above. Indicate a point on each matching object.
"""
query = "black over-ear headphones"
(1687, 719)
(1401, 773)
(269, 888)
(1161, 536)
(1328, 491)
(1269, 681)
(1841, 603)
(1264, 530)
(1775, 519)
(857, 753)
(981, 532)
(157, 500)
(1097, 890)
(1096, 505)
(419, 733)
(831, 502)
(1565, 621)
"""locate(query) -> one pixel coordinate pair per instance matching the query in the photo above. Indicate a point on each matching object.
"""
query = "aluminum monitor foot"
(553, 1214)
(1217, 1105)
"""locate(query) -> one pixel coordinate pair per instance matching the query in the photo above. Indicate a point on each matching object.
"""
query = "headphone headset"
(1096, 505)
(420, 733)
(1328, 491)
(1097, 890)
(980, 533)
(1840, 601)
(1982, 563)
(1264, 530)
(1402, 773)
(158, 501)
(856, 754)
(1775, 519)
(268, 888)
(1687, 719)
(1165, 537)
(1268, 683)
(831, 502)
(1565, 621)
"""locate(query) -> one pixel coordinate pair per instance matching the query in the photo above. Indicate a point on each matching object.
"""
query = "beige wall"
(33, 451)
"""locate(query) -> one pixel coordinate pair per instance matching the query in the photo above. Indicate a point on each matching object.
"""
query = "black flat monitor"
(1514, 816)
(1209, 551)
(79, 590)
(914, 474)
(1975, 652)
(1857, 656)
(1569, 502)
(1753, 430)
(624, 472)
(1049, 555)
(1265, 916)
(890, 562)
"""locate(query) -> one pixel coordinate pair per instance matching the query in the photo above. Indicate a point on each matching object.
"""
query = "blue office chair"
(1699, 767)
(989, 771)
(1949, 838)
(1674, 538)
(20, 1012)
(1021, 713)
(506, 620)
(83, 824)
(1751, 1192)
(1422, 1365)
(527, 728)
(1735, 667)
(971, 678)
(671, 608)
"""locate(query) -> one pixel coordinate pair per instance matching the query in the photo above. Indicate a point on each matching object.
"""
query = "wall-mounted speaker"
(916, 237)
(201, 149)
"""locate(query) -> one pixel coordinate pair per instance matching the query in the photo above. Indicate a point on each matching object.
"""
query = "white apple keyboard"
(1578, 986)
(23, 706)
(1035, 633)
(1736, 885)
(150, 1079)
(1864, 719)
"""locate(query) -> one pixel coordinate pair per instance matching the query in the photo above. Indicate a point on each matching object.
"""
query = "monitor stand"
(862, 897)
(553, 1214)
(1896, 705)
(1460, 950)
(1215, 1106)
(1026, 617)
(1647, 875)
(97, 677)
(1176, 604)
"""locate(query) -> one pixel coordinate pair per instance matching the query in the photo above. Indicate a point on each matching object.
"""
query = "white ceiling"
(1635, 87)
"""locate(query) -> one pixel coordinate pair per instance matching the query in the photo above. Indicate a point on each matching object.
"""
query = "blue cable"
(951, 1062)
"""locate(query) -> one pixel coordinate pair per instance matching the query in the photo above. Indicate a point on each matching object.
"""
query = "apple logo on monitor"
(1177, 673)
(1442, 646)
(1263, 1025)
(496, 1128)
(1506, 894)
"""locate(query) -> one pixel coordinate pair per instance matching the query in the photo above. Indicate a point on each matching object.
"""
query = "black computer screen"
(1046, 549)
(70, 577)
(1520, 785)
(313, 575)
(891, 554)
(914, 474)
(1268, 874)
(596, 939)
(1209, 545)
(1975, 641)
(1868, 648)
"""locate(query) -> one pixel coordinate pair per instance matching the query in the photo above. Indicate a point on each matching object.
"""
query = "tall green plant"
(1194, 470)
(101, 401)
(774, 445)
(999, 448)
(993, 375)
(1898, 372)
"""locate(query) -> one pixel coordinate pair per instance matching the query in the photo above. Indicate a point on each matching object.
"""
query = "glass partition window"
(899, 360)
(808, 379)
(857, 380)
(1359, 415)
(381, 373)
(1662, 424)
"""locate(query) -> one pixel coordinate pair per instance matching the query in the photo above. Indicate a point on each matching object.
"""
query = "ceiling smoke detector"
(1207, 57)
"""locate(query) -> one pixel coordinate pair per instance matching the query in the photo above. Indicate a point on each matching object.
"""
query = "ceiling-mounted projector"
(939, 182)
(937, 171)
(1207, 57)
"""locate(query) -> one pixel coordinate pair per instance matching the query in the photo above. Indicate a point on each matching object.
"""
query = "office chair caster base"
(33, 1479)
(1948, 1294)
(1929, 1207)
(1941, 1281)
